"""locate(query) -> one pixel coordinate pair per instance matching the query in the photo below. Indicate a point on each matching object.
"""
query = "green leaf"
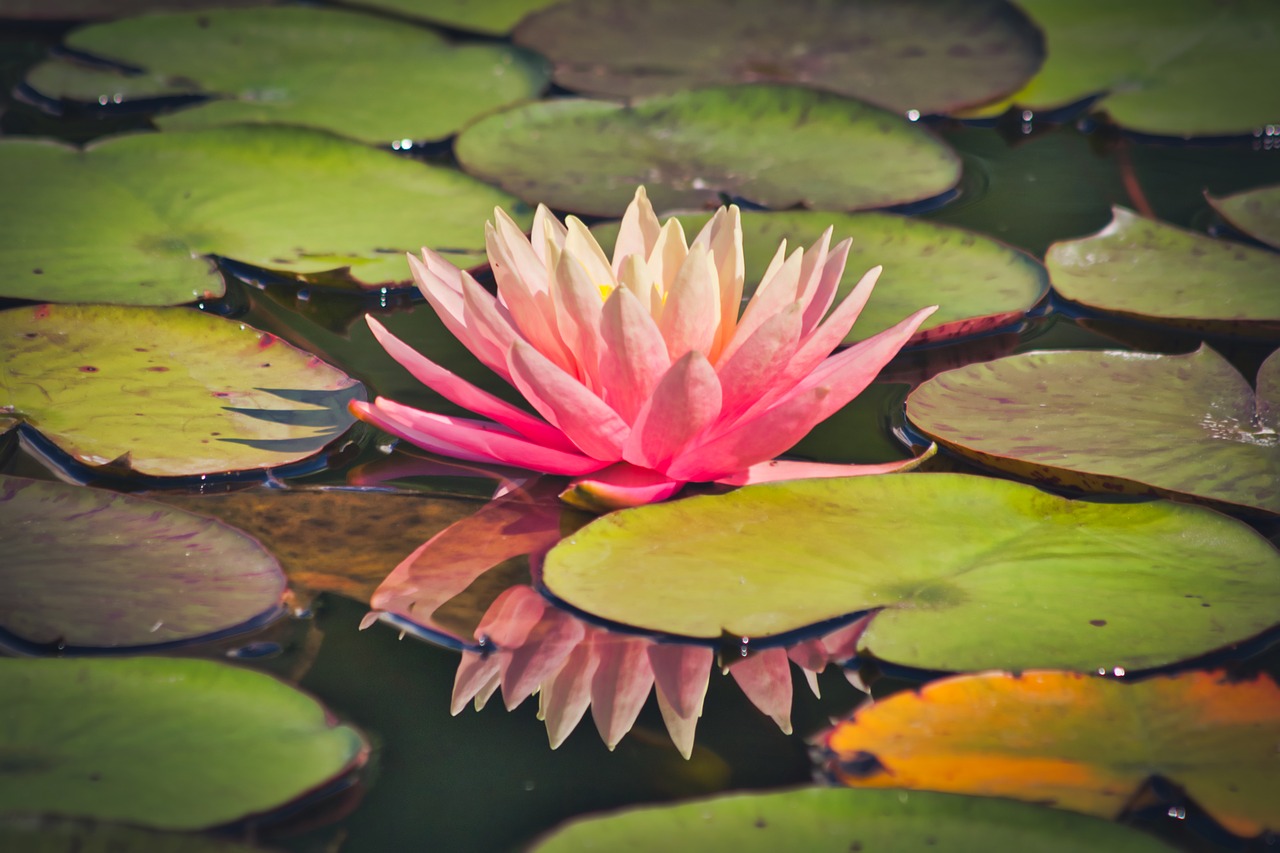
(827, 819)
(172, 575)
(1256, 212)
(777, 146)
(1115, 422)
(129, 219)
(84, 10)
(160, 742)
(343, 71)
(53, 835)
(167, 391)
(492, 17)
(965, 572)
(900, 54)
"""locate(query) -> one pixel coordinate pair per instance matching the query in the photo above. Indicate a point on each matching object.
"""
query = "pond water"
(487, 780)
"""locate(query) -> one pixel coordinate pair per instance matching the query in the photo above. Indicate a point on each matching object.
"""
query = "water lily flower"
(642, 370)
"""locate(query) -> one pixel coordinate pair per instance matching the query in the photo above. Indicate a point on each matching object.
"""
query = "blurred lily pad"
(1076, 742)
(91, 568)
(53, 835)
(965, 572)
(1255, 212)
(130, 219)
(827, 819)
(900, 54)
(339, 70)
(1151, 270)
(979, 283)
(1115, 422)
(159, 742)
(777, 146)
(167, 391)
(86, 10)
(492, 17)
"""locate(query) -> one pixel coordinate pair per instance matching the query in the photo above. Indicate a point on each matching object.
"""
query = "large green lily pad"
(1142, 268)
(924, 55)
(85, 10)
(130, 219)
(1255, 212)
(343, 71)
(965, 572)
(492, 17)
(829, 819)
(167, 391)
(1115, 422)
(777, 146)
(1176, 68)
(85, 567)
(978, 283)
(159, 742)
(53, 835)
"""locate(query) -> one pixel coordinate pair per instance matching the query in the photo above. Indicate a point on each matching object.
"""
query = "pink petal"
(522, 287)
(842, 643)
(680, 673)
(782, 469)
(578, 306)
(824, 293)
(476, 672)
(754, 368)
(619, 486)
(773, 295)
(466, 309)
(581, 245)
(815, 260)
(582, 416)
(547, 233)
(691, 311)
(638, 232)
(765, 678)
(544, 651)
(564, 700)
(634, 356)
(684, 404)
(620, 685)
(723, 236)
(512, 617)
(681, 729)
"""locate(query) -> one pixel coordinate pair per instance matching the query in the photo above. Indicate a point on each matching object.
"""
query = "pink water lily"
(645, 374)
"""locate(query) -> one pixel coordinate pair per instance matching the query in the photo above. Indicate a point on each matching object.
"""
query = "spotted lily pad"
(777, 146)
(66, 546)
(964, 572)
(979, 284)
(1147, 269)
(1255, 212)
(343, 71)
(167, 391)
(1115, 422)
(492, 17)
(830, 820)
(1077, 742)
(131, 219)
(901, 54)
(159, 742)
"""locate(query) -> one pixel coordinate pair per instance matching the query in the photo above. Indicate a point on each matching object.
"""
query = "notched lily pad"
(964, 572)
(1151, 270)
(167, 391)
(777, 146)
(1076, 742)
(900, 54)
(1256, 212)
(1115, 422)
(329, 68)
(160, 742)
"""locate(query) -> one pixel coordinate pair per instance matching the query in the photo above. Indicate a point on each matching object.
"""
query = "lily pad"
(1177, 68)
(492, 17)
(1077, 742)
(978, 283)
(777, 146)
(90, 568)
(965, 572)
(827, 819)
(1141, 268)
(51, 835)
(900, 54)
(85, 10)
(167, 391)
(130, 219)
(159, 742)
(339, 70)
(1255, 212)
(1115, 422)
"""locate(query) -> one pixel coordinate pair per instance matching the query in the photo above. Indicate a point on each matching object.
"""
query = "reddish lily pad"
(900, 54)
(1142, 268)
(1076, 742)
(1255, 212)
(1115, 422)
(167, 391)
(778, 146)
(76, 576)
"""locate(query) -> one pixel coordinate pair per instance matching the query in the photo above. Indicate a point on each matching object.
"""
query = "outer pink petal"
(828, 283)
(638, 232)
(684, 404)
(472, 317)
(619, 486)
(634, 356)
(774, 293)
(578, 306)
(620, 686)
(782, 469)
(564, 700)
(586, 419)
(754, 368)
(723, 236)
(765, 678)
(815, 261)
(692, 308)
(522, 287)
(547, 232)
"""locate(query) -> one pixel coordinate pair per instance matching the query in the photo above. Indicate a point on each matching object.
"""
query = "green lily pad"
(172, 576)
(777, 146)
(339, 70)
(159, 742)
(828, 819)
(86, 10)
(1115, 422)
(492, 17)
(1151, 270)
(167, 391)
(53, 835)
(900, 54)
(1176, 68)
(1255, 212)
(978, 283)
(965, 572)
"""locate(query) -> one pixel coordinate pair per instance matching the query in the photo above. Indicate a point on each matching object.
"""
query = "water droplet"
(913, 115)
